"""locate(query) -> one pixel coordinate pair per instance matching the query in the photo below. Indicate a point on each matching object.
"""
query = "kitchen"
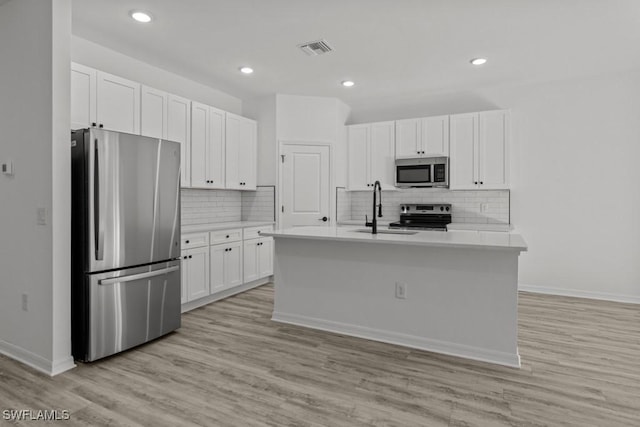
(565, 119)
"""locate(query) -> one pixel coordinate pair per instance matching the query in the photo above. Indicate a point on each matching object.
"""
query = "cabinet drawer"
(194, 240)
(254, 232)
(223, 236)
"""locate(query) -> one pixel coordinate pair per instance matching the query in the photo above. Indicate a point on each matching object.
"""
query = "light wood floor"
(230, 365)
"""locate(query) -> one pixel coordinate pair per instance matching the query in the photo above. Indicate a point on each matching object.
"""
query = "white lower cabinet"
(258, 258)
(226, 266)
(195, 273)
(215, 261)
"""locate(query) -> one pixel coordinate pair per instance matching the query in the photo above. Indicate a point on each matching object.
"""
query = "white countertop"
(479, 227)
(449, 239)
(200, 228)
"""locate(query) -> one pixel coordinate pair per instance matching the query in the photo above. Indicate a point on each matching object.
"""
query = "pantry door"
(305, 177)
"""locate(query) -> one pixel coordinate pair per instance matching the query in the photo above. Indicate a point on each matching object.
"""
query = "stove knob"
(441, 208)
(447, 208)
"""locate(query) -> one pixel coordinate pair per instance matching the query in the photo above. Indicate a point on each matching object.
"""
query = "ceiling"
(390, 48)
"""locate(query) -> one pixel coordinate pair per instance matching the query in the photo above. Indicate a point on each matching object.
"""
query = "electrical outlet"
(484, 207)
(25, 302)
(401, 290)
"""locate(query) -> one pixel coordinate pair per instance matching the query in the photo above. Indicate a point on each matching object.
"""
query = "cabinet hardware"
(227, 236)
(186, 241)
(101, 126)
(481, 183)
(93, 124)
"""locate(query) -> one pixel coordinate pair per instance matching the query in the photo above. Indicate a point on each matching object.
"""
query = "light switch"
(42, 216)
(7, 168)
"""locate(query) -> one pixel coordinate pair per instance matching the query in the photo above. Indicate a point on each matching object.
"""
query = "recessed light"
(140, 16)
(246, 70)
(347, 83)
(478, 61)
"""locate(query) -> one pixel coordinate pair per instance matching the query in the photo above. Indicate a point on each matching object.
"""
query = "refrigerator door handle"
(133, 277)
(98, 222)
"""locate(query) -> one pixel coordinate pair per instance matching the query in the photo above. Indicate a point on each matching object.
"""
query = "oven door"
(413, 175)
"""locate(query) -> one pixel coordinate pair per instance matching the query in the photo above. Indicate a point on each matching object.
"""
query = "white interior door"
(305, 176)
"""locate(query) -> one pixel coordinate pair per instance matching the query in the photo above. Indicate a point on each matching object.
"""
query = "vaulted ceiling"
(390, 48)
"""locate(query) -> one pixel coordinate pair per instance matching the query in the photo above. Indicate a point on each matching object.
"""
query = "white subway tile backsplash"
(259, 205)
(209, 206)
(465, 204)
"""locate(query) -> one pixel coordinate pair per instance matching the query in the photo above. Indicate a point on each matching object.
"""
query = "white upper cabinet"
(493, 155)
(463, 171)
(207, 146)
(168, 116)
(408, 138)
(118, 103)
(153, 113)
(371, 155)
(179, 130)
(102, 100)
(435, 136)
(83, 96)
(422, 137)
(241, 152)
(480, 150)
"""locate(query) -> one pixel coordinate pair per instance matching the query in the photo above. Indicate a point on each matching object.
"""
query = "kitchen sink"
(368, 230)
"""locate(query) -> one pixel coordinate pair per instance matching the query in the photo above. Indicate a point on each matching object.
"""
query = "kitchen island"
(448, 292)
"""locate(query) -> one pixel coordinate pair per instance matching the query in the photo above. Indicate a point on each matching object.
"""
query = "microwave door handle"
(98, 214)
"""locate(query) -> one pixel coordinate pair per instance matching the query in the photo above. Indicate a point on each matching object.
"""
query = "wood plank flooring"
(230, 365)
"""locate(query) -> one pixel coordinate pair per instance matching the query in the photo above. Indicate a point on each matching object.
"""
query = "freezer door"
(133, 306)
(133, 185)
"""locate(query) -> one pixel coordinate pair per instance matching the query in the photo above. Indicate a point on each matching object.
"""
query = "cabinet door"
(216, 147)
(198, 273)
(265, 257)
(358, 157)
(233, 265)
(184, 279)
(251, 257)
(199, 141)
(118, 103)
(463, 172)
(216, 265)
(232, 147)
(153, 112)
(179, 130)
(247, 154)
(408, 143)
(83, 96)
(493, 149)
(382, 154)
(435, 136)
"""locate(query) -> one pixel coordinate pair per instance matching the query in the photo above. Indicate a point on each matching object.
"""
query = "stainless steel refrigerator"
(125, 241)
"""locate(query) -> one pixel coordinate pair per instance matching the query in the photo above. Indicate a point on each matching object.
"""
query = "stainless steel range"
(426, 216)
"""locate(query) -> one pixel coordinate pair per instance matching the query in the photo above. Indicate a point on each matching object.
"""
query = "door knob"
(323, 219)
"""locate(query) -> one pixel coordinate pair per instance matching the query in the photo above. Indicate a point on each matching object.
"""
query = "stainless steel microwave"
(422, 172)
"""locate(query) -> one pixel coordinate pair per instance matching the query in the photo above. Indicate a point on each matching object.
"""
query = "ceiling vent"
(317, 47)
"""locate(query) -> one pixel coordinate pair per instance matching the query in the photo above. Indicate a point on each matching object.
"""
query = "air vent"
(317, 47)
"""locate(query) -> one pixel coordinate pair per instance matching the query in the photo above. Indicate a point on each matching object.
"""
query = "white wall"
(576, 198)
(314, 119)
(102, 58)
(34, 124)
(263, 109)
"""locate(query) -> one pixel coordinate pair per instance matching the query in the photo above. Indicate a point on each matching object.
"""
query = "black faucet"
(374, 223)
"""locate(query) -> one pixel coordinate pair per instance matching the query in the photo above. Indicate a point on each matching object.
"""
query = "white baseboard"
(36, 361)
(188, 306)
(631, 299)
(436, 346)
